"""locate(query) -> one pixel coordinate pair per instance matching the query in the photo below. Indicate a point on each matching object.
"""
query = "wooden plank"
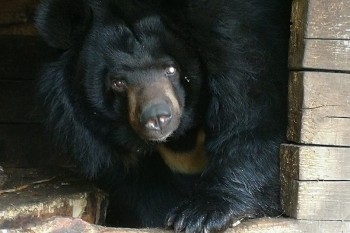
(22, 56)
(17, 104)
(320, 35)
(316, 200)
(321, 19)
(317, 54)
(17, 16)
(262, 225)
(319, 108)
(30, 195)
(299, 162)
(28, 145)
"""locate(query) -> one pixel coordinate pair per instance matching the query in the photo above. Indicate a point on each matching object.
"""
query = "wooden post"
(315, 172)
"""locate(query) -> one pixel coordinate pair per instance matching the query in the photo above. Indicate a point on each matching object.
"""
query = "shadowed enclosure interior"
(315, 165)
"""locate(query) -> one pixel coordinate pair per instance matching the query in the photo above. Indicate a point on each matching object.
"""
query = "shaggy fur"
(230, 83)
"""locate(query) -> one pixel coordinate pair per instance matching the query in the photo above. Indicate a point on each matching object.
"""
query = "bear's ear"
(63, 23)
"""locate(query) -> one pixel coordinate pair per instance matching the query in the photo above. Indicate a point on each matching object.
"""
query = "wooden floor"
(263, 225)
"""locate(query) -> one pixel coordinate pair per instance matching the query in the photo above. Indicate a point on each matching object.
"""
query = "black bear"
(175, 107)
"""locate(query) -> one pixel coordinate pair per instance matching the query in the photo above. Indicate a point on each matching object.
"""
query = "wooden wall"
(315, 167)
(23, 141)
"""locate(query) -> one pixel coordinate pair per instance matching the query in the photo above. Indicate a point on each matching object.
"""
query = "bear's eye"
(171, 70)
(118, 85)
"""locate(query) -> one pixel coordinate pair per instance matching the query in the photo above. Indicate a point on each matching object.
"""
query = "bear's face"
(136, 78)
(134, 73)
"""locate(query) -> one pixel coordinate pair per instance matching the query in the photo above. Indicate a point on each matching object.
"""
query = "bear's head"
(130, 77)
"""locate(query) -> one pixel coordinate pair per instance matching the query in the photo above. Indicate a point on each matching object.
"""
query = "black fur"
(235, 55)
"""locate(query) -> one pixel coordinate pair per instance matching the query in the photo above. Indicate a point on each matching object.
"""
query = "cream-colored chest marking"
(189, 162)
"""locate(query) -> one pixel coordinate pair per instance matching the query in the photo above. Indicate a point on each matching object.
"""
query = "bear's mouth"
(160, 139)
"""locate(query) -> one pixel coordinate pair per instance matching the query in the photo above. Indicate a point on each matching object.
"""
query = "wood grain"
(321, 19)
(330, 55)
(30, 195)
(299, 162)
(319, 108)
(320, 35)
(316, 200)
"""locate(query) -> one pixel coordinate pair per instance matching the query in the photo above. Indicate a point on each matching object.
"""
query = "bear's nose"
(156, 116)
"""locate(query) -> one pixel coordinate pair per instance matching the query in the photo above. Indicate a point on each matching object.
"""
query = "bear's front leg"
(210, 211)
(242, 184)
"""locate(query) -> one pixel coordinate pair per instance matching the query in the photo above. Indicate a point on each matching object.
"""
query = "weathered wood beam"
(316, 200)
(321, 19)
(319, 108)
(318, 54)
(30, 195)
(320, 35)
(315, 182)
(314, 163)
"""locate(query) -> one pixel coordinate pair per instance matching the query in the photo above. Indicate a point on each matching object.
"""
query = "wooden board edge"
(289, 162)
(295, 102)
(297, 34)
